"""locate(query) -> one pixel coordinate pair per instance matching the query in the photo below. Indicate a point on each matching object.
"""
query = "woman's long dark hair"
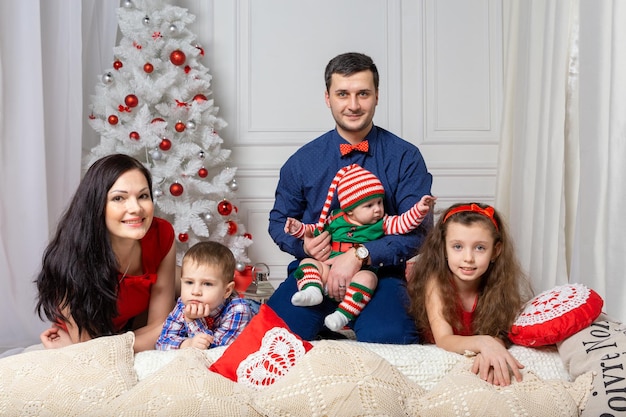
(79, 273)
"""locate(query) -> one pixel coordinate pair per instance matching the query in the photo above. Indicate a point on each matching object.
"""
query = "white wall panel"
(463, 62)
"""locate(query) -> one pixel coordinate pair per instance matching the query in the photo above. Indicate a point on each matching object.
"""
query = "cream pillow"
(339, 379)
(71, 381)
(599, 348)
(184, 387)
(462, 393)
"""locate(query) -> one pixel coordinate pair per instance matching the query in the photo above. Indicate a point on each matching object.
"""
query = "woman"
(110, 260)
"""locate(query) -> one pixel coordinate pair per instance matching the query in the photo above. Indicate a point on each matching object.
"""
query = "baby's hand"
(196, 311)
(426, 203)
(292, 226)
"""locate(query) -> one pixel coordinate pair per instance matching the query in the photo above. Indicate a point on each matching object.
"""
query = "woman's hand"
(55, 337)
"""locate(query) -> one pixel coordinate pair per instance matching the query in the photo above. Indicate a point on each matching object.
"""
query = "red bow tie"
(346, 148)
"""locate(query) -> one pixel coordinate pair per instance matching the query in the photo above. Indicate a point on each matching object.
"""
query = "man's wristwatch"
(361, 252)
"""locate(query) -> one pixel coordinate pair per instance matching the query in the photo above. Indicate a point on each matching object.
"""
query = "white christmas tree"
(155, 105)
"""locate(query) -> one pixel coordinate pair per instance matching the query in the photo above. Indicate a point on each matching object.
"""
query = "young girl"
(110, 262)
(467, 288)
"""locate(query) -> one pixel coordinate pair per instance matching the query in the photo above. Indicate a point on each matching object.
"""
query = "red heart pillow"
(555, 315)
(263, 352)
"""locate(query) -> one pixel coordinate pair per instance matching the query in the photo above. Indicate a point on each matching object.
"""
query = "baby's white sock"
(336, 321)
(310, 296)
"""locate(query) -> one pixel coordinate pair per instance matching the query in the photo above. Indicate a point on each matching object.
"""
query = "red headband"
(487, 212)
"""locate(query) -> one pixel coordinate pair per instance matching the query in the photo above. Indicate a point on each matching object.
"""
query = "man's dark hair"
(348, 64)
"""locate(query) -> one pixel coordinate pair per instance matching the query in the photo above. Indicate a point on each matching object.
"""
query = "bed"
(579, 375)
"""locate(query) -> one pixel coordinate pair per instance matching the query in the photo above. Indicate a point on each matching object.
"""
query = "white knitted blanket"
(424, 364)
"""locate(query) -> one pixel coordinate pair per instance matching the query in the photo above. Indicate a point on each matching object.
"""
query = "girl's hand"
(494, 363)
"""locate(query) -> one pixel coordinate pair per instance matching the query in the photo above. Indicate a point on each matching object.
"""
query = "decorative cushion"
(556, 314)
(263, 352)
(599, 348)
(463, 393)
(184, 387)
(340, 379)
(71, 381)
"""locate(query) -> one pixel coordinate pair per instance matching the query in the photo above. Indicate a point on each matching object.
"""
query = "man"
(352, 95)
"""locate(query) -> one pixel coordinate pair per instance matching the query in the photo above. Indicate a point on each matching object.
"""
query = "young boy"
(209, 312)
(360, 219)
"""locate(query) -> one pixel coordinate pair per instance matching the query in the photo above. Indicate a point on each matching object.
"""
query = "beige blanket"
(336, 378)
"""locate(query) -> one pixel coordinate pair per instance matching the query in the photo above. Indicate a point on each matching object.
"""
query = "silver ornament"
(107, 78)
(146, 20)
(173, 29)
(128, 4)
(190, 125)
(240, 266)
(208, 217)
(201, 155)
(233, 185)
(156, 154)
(157, 192)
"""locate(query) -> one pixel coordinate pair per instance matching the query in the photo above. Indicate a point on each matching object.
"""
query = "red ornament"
(247, 236)
(157, 119)
(232, 227)
(165, 144)
(176, 189)
(187, 69)
(118, 64)
(131, 100)
(134, 136)
(183, 237)
(92, 117)
(224, 207)
(199, 98)
(148, 67)
(177, 57)
(113, 119)
(179, 126)
(202, 172)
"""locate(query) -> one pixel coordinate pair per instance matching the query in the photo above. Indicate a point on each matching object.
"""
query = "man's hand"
(344, 267)
(317, 247)
(196, 311)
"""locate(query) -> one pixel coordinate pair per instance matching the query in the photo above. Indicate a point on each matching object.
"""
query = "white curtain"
(41, 127)
(600, 242)
(562, 148)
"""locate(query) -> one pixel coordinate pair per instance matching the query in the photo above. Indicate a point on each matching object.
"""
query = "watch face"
(362, 252)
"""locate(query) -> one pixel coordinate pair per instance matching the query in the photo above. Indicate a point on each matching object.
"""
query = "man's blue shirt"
(308, 173)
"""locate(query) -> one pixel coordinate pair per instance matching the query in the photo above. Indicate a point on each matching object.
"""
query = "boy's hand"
(199, 341)
(196, 311)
